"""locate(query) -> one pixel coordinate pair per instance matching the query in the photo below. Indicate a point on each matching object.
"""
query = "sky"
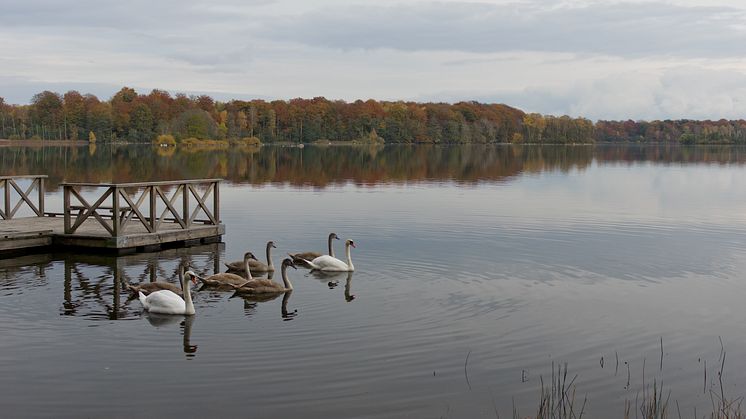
(641, 59)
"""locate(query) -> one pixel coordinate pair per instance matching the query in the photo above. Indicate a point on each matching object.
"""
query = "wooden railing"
(8, 183)
(119, 205)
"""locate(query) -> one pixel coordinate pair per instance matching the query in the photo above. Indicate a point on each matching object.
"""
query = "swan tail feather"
(143, 298)
(309, 263)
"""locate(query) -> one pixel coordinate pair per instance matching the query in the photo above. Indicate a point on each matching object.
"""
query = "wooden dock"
(118, 217)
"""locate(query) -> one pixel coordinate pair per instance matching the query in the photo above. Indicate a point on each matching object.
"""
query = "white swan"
(330, 263)
(168, 302)
(302, 258)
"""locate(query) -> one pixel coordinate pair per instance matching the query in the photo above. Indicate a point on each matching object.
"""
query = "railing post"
(216, 259)
(66, 208)
(185, 192)
(152, 271)
(152, 208)
(41, 197)
(115, 209)
(216, 202)
(7, 199)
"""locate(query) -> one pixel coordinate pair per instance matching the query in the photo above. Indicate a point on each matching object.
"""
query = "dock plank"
(20, 233)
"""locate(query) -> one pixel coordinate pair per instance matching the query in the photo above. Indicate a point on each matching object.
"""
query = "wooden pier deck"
(123, 218)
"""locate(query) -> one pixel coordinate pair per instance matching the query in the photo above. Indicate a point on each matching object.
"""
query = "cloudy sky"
(642, 59)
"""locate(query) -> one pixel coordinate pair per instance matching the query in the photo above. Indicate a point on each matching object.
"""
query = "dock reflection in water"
(95, 285)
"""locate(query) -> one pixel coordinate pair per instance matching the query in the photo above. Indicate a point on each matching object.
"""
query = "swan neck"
(331, 248)
(349, 257)
(285, 278)
(269, 257)
(187, 296)
(247, 268)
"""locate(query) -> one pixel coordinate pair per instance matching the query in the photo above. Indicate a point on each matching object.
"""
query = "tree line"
(683, 131)
(129, 116)
(132, 117)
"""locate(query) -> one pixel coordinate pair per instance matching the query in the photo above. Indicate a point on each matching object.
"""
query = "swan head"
(271, 244)
(350, 243)
(288, 263)
(334, 236)
(192, 276)
(249, 255)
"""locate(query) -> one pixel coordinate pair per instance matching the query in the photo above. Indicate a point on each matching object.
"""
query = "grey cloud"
(544, 100)
(125, 15)
(681, 92)
(623, 29)
(19, 91)
(209, 36)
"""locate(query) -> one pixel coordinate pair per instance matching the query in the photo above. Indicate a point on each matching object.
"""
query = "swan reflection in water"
(331, 279)
(250, 303)
(185, 322)
(226, 287)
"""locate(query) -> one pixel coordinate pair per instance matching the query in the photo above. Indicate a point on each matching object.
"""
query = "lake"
(479, 271)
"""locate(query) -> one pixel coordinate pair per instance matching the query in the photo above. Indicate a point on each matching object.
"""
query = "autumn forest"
(132, 117)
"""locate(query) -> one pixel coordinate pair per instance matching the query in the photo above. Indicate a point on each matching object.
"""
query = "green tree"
(195, 123)
(98, 117)
(46, 114)
(121, 107)
(74, 115)
(141, 123)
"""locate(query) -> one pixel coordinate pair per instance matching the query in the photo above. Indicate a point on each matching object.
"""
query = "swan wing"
(329, 263)
(257, 266)
(226, 278)
(235, 266)
(259, 286)
(255, 283)
(305, 255)
(164, 302)
(303, 259)
(260, 290)
(150, 287)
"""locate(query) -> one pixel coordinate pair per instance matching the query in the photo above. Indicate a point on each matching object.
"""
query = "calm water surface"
(515, 257)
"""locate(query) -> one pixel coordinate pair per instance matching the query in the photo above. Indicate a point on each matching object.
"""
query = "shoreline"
(79, 143)
(43, 143)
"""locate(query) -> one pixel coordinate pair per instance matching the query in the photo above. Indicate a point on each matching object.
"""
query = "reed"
(558, 398)
(723, 407)
(652, 405)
